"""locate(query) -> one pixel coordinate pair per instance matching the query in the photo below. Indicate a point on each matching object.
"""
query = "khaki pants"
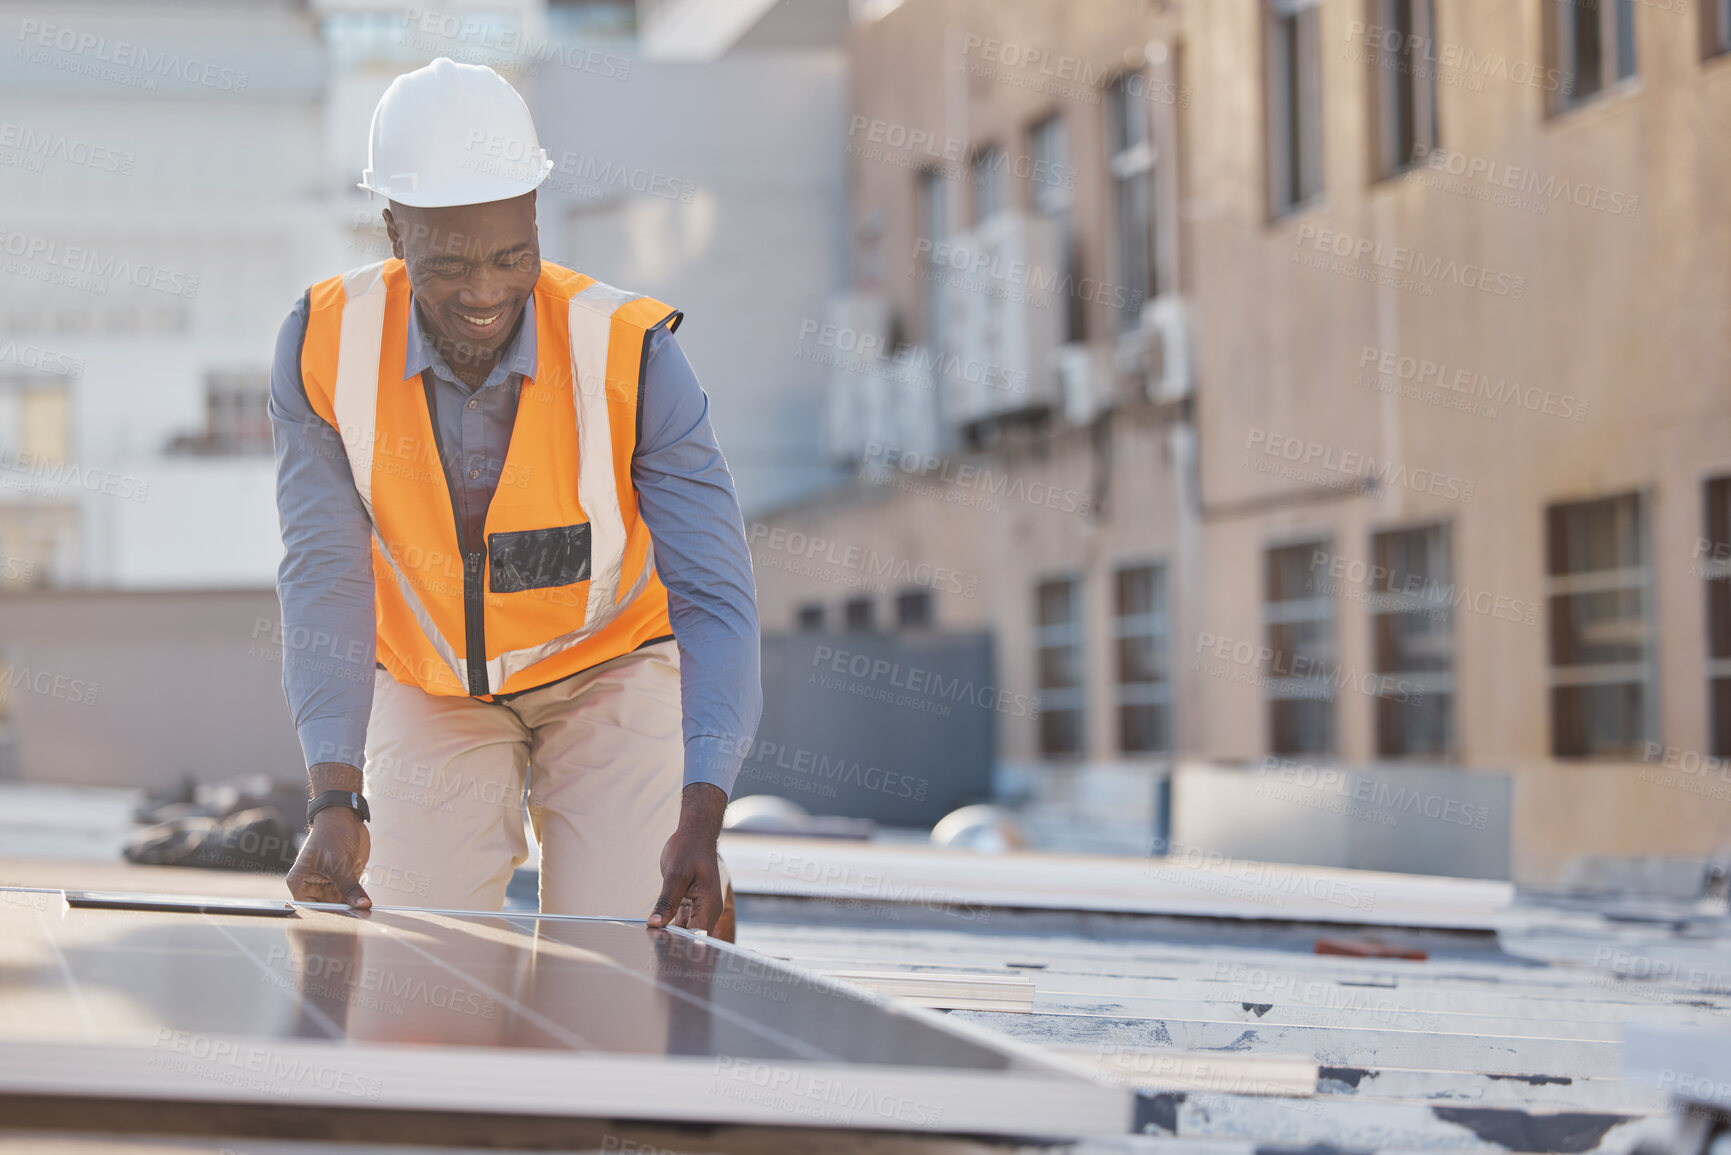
(602, 753)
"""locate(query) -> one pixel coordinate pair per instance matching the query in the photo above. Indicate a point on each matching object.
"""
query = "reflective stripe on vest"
(352, 364)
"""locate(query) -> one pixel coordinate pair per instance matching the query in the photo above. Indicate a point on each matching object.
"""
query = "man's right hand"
(328, 868)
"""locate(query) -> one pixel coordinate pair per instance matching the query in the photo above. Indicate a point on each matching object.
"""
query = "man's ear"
(395, 236)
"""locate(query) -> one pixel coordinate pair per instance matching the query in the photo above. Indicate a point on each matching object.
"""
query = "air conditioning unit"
(1003, 299)
(1157, 351)
(1086, 374)
(846, 351)
(912, 395)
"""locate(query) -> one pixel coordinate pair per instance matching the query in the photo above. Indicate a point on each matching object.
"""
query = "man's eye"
(444, 268)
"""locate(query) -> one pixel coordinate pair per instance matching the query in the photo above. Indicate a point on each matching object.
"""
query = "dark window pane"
(1302, 649)
(1061, 731)
(1135, 212)
(1719, 512)
(1289, 571)
(1598, 612)
(1300, 632)
(1587, 65)
(1625, 13)
(1403, 102)
(1713, 555)
(1301, 726)
(1421, 726)
(1411, 634)
(987, 176)
(1139, 659)
(1293, 101)
(810, 616)
(1720, 692)
(1596, 535)
(1055, 603)
(934, 227)
(1598, 720)
(1058, 664)
(1588, 629)
(1139, 591)
(1142, 729)
(1412, 560)
(860, 613)
(914, 609)
(1307, 72)
(1413, 642)
(1060, 667)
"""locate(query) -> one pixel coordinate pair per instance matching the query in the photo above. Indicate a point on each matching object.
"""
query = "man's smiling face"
(472, 268)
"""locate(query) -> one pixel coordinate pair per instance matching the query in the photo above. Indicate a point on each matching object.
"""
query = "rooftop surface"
(1503, 1032)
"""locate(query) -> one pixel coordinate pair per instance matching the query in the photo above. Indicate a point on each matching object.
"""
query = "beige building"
(1342, 382)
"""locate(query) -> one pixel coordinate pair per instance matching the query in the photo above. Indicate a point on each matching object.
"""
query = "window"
(1599, 597)
(934, 228)
(859, 613)
(809, 617)
(1294, 103)
(356, 39)
(591, 20)
(1058, 655)
(39, 544)
(35, 417)
(1139, 634)
(1593, 47)
(235, 405)
(1050, 192)
(1715, 551)
(1130, 163)
(987, 179)
(1403, 81)
(45, 423)
(1715, 27)
(236, 420)
(914, 609)
(1413, 632)
(1300, 674)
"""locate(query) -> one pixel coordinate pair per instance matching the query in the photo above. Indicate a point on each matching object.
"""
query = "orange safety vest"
(565, 579)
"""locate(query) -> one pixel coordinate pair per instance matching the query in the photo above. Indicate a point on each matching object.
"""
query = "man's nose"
(483, 289)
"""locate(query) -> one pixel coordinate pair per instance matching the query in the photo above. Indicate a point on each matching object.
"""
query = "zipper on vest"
(473, 620)
(474, 623)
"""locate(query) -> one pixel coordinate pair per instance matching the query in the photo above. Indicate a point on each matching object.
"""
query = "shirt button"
(474, 473)
(473, 403)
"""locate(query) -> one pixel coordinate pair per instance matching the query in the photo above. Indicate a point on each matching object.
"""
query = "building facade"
(1318, 388)
(173, 175)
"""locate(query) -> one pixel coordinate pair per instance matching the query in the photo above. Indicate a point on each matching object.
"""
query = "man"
(497, 481)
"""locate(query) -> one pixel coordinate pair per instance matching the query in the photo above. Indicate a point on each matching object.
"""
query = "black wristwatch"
(349, 798)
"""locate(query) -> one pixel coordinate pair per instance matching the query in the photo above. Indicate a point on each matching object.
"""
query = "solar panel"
(529, 1014)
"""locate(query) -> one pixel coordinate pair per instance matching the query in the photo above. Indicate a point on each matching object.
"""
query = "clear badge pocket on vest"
(533, 559)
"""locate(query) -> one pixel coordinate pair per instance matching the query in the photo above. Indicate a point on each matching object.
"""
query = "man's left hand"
(690, 871)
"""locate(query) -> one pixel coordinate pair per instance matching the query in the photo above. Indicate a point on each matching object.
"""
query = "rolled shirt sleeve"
(325, 581)
(686, 497)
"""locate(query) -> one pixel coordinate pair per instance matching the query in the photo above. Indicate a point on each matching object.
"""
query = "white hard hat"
(453, 134)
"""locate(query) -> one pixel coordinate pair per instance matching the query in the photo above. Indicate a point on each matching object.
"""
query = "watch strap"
(350, 798)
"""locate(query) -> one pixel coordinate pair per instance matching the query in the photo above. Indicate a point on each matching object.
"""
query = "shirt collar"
(520, 356)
